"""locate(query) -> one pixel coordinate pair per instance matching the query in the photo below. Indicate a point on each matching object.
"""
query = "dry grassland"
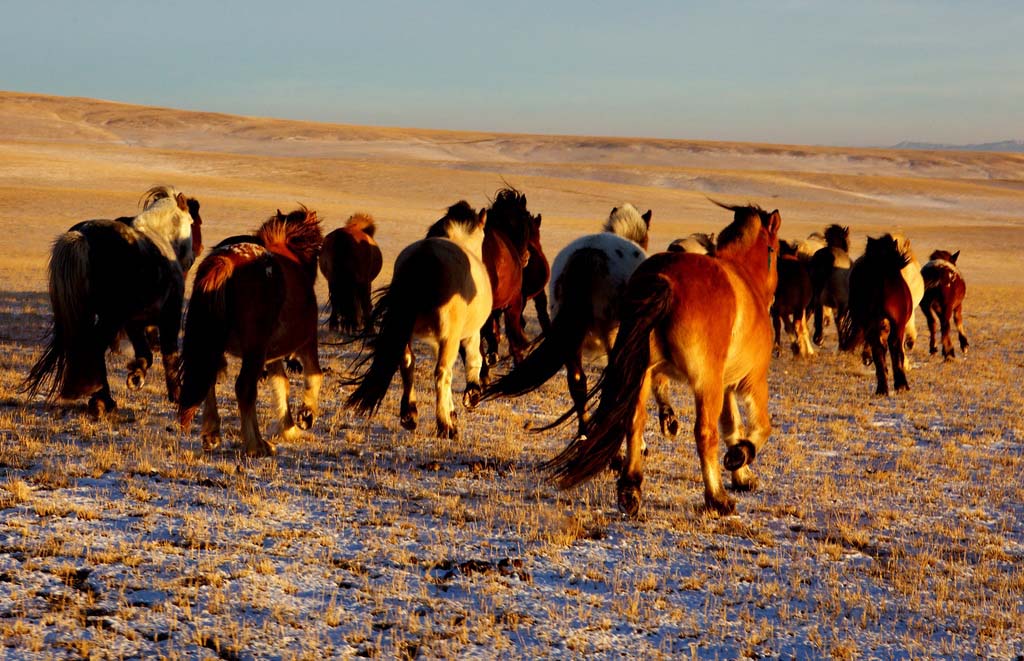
(883, 528)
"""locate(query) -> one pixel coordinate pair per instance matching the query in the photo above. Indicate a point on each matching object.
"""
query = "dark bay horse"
(253, 298)
(830, 273)
(440, 292)
(698, 319)
(880, 309)
(350, 260)
(506, 254)
(943, 300)
(106, 276)
(588, 279)
(792, 299)
(536, 275)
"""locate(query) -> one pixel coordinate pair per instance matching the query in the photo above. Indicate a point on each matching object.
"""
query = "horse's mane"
(297, 233)
(744, 228)
(627, 222)
(459, 217)
(362, 222)
(884, 253)
(944, 254)
(509, 215)
(837, 236)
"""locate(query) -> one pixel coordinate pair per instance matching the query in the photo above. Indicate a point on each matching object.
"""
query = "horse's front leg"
(170, 325)
(958, 318)
(577, 382)
(540, 304)
(777, 327)
(708, 398)
(899, 359)
(100, 401)
(245, 391)
(742, 448)
(284, 425)
(312, 379)
(878, 339)
(408, 415)
(474, 363)
(143, 359)
(666, 414)
(447, 352)
(803, 346)
(945, 325)
(210, 432)
(631, 477)
(517, 340)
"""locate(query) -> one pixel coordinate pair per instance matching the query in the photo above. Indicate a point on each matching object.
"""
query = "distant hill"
(1001, 146)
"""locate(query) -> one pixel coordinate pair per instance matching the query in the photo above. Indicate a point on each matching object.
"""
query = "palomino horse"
(105, 275)
(830, 273)
(440, 292)
(506, 255)
(880, 307)
(944, 294)
(698, 243)
(792, 298)
(699, 319)
(588, 278)
(350, 260)
(805, 248)
(253, 298)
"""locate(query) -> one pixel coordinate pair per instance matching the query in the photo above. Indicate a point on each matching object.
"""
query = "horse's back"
(621, 258)
(352, 252)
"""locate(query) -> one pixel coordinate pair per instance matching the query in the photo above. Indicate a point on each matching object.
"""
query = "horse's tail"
(206, 335)
(568, 329)
(71, 331)
(649, 300)
(412, 292)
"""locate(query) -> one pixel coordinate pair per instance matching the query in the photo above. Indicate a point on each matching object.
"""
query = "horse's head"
(296, 235)
(837, 236)
(629, 223)
(884, 252)
(197, 229)
(946, 255)
(508, 214)
(463, 226)
(753, 240)
(166, 220)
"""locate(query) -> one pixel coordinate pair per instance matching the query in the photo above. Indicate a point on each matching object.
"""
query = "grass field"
(883, 527)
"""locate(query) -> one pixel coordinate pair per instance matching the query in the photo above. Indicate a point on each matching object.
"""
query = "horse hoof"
(629, 500)
(471, 397)
(305, 418)
(173, 392)
(292, 365)
(670, 426)
(491, 359)
(739, 455)
(261, 449)
(933, 350)
(98, 406)
(136, 380)
(210, 442)
(447, 431)
(722, 505)
(408, 421)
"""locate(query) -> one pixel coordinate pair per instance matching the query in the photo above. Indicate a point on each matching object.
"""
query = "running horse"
(792, 299)
(693, 318)
(880, 308)
(943, 300)
(106, 276)
(253, 298)
(440, 292)
(830, 272)
(350, 260)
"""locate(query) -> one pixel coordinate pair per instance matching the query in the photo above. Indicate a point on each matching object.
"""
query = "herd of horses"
(708, 312)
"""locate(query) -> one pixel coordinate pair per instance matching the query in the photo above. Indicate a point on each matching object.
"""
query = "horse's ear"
(614, 209)
(538, 220)
(647, 217)
(952, 259)
(481, 218)
(774, 223)
(182, 201)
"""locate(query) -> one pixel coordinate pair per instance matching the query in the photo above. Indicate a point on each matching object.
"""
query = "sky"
(860, 73)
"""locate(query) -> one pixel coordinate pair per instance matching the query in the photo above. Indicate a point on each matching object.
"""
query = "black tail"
(649, 299)
(568, 329)
(206, 335)
(411, 293)
(71, 333)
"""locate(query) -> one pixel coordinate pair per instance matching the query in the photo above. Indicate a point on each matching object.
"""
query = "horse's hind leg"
(958, 318)
(666, 414)
(709, 398)
(803, 336)
(210, 432)
(143, 359)
(741, 451)
(631, 476)
(540, 303)
(878, 341)
(897, 342)
(312, 379)
(447, 352)
(945, 325)
(408, 414)
(100, 401)
(517, 340)
(170, 325)
(284, 425)
(245, 391)
(474, 363)
(928, 309)
(910, 334)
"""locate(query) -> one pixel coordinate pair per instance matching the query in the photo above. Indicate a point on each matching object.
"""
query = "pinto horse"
(943, 299)
(880, 309)
(253, 298)
(702, 320)
(105, 276)
(350, 260)
(830, 273)
(588, 278)
(792, 299)
(440, 292)
(698, 242)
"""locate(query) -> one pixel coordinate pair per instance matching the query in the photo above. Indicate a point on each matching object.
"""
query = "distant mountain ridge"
(1001, 146)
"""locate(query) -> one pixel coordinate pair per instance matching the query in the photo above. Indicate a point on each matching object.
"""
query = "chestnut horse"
(588, 280)
(880, 309)
(702, 320)
(830, 273)
(350, 260)
(106, 276)
(943, 299)
(792, 299)
(253, 298)
(440, 292)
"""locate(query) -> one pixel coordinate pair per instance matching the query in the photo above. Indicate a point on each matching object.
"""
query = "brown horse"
(830, 272)
(792, 298)
(943, 299)
(350, 260)
(253, 298)
(536, 275)
(439, 293)
(880, 309)
(699, 319)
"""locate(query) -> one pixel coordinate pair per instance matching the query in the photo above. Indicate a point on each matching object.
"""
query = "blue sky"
(845, 73)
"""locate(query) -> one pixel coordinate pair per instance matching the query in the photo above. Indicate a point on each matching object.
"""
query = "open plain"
(882, 528)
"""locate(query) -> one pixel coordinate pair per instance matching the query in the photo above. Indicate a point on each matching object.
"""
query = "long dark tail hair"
(70, 336)
(649, 300)
(568, 329)
(206, 335)
(411, 293)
